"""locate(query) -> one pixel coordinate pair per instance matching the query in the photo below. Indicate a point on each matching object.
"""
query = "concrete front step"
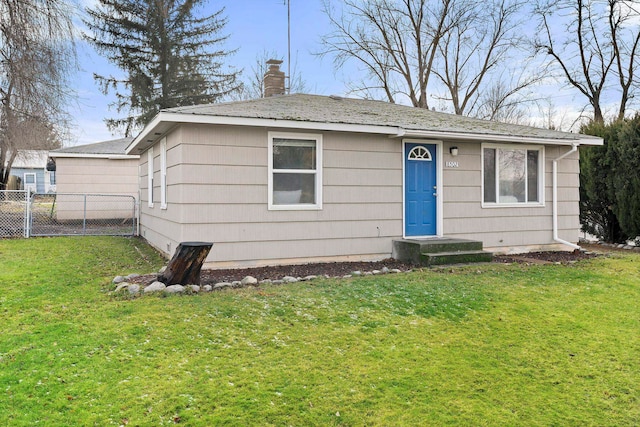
(461, 257)
(439, 251)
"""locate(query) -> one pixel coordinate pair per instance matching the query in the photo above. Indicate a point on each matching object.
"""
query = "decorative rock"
(222, 285)
(207, 288)
(277, 282)
(347, 276)
(265, 281)
(121, 286)
(395, 270)
(356, 273)
(132, 276)
(155, 287)
(249, 280)
(307, 278)
(236, 283)
(289, 279)
(385, 270)
(627, 247)
(133, 288)
(367, 273)
(174, 289)
(194, 288)
(118, 279)
(376, 272)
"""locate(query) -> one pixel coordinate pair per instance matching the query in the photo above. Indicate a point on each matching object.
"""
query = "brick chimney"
(273, 79)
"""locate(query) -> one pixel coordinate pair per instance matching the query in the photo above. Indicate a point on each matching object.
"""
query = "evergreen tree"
(610, 183)
(597, 166)
(169, 57)
(626, 180)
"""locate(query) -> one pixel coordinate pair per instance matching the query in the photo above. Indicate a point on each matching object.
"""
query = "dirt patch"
(330, 269)
(545, 257)
(340, 269)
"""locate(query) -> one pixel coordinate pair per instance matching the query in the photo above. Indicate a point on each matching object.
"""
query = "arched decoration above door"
(420, 153)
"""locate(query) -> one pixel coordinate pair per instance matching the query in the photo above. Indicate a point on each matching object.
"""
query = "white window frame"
(541, 174)
(318, 171)
(150, 177)
(34, 184)
(163, 173)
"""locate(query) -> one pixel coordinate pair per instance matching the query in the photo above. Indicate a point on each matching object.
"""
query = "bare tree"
(482, 38)
(36, 55)
(449, 50)
(253, 86)
(593, 43)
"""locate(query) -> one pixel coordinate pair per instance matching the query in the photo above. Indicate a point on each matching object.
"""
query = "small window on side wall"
(512, 175)
(295, 171)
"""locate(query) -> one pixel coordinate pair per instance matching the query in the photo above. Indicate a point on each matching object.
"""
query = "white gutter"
(574, 148)
(486, 137)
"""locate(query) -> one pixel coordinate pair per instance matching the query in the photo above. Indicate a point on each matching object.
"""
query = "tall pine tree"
(169, 57)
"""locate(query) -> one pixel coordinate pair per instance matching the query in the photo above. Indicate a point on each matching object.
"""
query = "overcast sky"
(255, 26)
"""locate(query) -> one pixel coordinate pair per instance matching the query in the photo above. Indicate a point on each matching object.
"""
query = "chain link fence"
(67, 214)
(24, 214)
(13, 213)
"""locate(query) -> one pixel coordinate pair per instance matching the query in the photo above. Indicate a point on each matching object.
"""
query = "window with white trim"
(163, 173)
(512, 175)
(150, 177)
(295, 171)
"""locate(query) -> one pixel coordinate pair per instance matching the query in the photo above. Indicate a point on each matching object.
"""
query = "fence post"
(84, 216)
(133, 216)
(27, 214)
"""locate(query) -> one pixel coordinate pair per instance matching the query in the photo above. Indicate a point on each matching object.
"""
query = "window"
(150, 177)
(512, 175)
(163, 173)
(420, 153)
(295, 165)
(52, 178)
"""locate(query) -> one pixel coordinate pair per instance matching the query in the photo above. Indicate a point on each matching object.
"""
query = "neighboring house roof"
(334, 113)
(112, 149)
(30, 159)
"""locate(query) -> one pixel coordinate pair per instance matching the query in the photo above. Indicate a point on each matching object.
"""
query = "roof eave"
(94, 156)
(155, 129)
(500, 138)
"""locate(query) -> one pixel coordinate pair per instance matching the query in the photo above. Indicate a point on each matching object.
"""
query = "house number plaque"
(451, 164)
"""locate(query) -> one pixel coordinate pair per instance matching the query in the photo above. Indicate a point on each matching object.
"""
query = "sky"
(254, 26)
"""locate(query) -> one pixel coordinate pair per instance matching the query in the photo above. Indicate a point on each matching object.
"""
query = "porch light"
(453, 151)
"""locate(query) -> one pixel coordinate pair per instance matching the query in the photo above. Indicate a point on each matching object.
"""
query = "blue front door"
(420, 189)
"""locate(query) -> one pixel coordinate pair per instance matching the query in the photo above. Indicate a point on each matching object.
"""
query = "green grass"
(488, 345)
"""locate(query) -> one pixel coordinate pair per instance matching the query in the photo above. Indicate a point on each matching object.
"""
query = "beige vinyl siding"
(217, 190)
(218, 182)
(161, 227)
(97, 176)
(76, 176)
(512, 227)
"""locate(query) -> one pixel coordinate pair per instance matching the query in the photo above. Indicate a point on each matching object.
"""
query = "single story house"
(99, 169)
(307, 178)
(30, 171)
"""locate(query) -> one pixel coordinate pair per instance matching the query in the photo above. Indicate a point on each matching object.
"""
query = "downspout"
(574, 148)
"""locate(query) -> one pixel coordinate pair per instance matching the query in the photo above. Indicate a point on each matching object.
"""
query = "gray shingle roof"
(329, 109)
(112, 147)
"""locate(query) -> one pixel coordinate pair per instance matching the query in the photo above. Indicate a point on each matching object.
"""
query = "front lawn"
(483, 345)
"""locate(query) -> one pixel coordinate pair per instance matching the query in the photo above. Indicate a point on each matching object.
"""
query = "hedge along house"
(301, 178)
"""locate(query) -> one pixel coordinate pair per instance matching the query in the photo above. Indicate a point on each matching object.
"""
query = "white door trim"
(439, 183)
